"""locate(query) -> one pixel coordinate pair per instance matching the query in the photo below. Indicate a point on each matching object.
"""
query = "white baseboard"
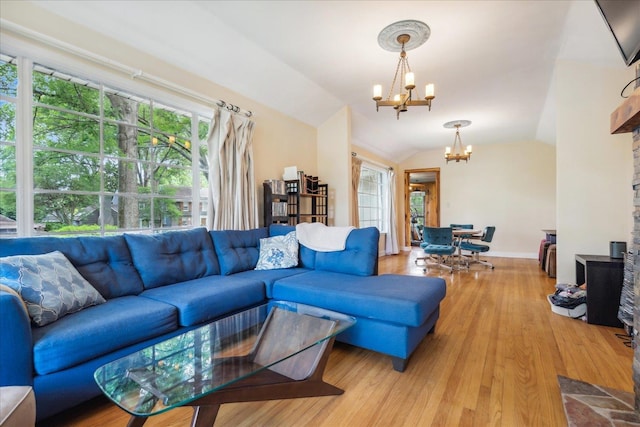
(527, 255)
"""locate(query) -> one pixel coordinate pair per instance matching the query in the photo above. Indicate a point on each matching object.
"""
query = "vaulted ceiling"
(492, 62)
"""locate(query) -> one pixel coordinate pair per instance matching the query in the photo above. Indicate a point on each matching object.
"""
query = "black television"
(623, 19)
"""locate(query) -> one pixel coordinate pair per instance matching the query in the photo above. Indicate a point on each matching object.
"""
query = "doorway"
(421, 202)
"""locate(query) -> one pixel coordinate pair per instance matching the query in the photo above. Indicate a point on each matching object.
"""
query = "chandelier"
(403, 36)
(456, 153)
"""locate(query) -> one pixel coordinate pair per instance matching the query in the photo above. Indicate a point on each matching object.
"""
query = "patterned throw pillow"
(278, 252)
(49, 284)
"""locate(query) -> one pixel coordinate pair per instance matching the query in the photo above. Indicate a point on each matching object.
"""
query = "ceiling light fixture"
(402, 36)
(456, 153)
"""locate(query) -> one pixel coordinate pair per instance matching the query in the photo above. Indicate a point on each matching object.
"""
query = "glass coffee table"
(274, 351)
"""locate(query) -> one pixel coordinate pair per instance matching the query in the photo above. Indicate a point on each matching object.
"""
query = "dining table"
(458, 235)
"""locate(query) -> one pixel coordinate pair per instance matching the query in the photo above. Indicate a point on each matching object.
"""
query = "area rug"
(594, 406)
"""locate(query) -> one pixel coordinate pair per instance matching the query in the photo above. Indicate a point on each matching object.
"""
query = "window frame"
(75, 67)
(381, 196)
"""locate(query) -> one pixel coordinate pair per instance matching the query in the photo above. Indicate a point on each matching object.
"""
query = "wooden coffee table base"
(265, 385)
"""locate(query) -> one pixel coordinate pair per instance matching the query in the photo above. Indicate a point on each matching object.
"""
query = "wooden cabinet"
(299, 204)
(603, 276)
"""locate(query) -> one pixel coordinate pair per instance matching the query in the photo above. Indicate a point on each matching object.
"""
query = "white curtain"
(391, 246)
(232, 193)
(355, 183)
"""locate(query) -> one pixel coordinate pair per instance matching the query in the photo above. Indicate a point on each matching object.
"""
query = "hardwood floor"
(493, 360)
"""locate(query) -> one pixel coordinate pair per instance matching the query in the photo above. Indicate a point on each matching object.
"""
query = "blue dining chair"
(477, 248)
(437, 245)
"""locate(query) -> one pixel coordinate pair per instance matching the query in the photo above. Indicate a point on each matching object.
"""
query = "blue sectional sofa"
(161, 285)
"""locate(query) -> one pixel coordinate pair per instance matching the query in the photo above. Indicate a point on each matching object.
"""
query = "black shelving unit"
(306, 206)
(276, 206)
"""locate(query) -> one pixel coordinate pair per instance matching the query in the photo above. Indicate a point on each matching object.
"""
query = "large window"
(8, 179)
(96, 159)
(372, 197)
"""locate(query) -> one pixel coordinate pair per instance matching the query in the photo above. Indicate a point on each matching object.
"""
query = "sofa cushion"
(174, 256)
(268, 277)
(100, 330)
(306, 256)
(359, 256)
(406, 300)
(104, 261)
(205, 299)
(278, 252)
(49, 285)
(237, 249)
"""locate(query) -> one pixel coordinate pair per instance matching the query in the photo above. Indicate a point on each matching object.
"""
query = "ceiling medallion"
(400, 37)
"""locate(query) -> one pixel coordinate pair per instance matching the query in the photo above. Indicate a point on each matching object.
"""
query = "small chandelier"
(456, 153)
(403, 36)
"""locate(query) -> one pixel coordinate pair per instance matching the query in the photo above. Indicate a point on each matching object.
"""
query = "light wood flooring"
(493, 360)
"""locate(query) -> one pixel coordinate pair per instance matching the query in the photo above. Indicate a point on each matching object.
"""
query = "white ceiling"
(491, 61)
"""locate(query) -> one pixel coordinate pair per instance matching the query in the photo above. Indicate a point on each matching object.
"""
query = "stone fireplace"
(626, 119)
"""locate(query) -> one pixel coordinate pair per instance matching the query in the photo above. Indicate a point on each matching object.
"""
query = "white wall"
(510, 186)
(595, 168)
(334, 164)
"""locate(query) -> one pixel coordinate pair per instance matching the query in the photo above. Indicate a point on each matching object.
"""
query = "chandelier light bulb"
(377, 92)
(429, 91)
(409, 81)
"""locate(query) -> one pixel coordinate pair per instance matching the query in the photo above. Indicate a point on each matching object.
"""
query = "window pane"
(57, 210)
(165, 212)
(174, 176)
(123, 107)
(7, 167)
(172, 123)
(65, 131)
(61, 171)
(62, 91)
(7, 121)
(110, 135)
(132, 177)
(8, 223)
(203, 129)
(8, 76)
(370, 198)
(133, 212)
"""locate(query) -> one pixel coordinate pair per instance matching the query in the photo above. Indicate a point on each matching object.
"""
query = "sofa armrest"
(359, 257)
(16, 359)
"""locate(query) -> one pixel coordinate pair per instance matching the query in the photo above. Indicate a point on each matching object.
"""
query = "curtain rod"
(134, 73)
(354, 154)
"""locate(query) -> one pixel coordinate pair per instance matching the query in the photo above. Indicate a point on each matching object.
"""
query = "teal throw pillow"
(278, 252)
(49, 284)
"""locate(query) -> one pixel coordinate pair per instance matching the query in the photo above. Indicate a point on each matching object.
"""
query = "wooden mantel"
(627, 116)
